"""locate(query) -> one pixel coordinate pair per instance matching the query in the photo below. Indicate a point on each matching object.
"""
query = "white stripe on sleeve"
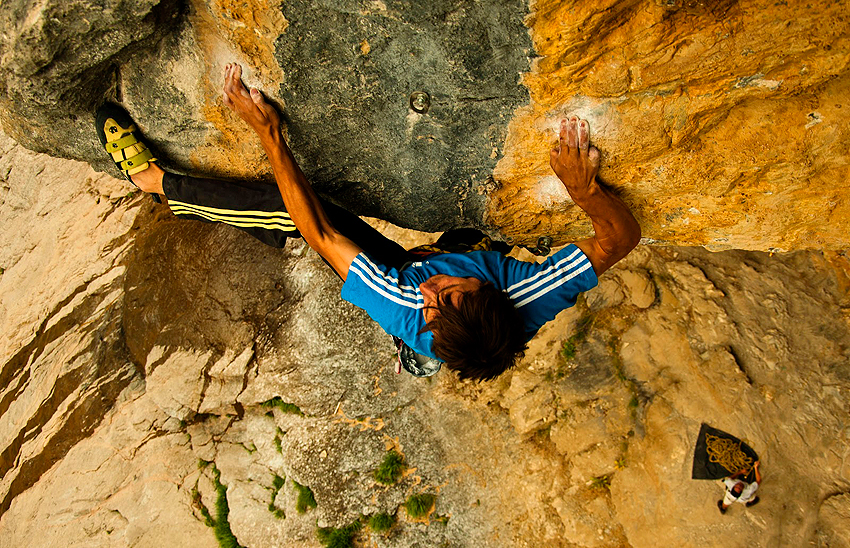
(391, 283)
(545, 271)
(557, 283)
(384, 288)
(547, 275)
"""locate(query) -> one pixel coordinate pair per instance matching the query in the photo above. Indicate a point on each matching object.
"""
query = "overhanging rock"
(723, 124)
(344, 73)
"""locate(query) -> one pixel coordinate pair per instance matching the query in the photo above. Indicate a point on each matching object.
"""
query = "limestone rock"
(227, 381)
(608, 293)
(833, 520)
(587, 523)
(176, 384)
(721, 123)
(573, 438)
(532, 411)
(596, 462)
(341, 70)
(638, 286)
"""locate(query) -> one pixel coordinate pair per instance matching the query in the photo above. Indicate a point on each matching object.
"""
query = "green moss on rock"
(277, 403)
(305, 500)
(331, 537)
(418, 506)
(381, 523)
(391, 469)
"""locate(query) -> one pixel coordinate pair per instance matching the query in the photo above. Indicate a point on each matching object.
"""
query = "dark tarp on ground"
(718, 455)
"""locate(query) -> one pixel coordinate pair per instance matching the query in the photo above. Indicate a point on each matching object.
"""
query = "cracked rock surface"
(723, 124)
(144, 359)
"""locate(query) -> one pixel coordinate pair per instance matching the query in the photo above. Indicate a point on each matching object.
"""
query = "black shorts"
(258, 209)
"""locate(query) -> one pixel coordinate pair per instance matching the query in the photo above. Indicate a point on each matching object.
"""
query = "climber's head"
(477, 331)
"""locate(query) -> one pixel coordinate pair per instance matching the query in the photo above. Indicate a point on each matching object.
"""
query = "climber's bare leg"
(149, 180)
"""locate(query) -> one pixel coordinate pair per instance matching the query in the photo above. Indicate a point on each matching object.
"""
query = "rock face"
(345, 70)
(721, 122)
(153, 368)
(159, 378)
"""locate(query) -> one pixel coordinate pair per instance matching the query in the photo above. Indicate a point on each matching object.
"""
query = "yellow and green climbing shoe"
(122, 140)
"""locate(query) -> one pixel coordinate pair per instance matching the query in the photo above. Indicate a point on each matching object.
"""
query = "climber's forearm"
(298, 197)
(616, 231)
(575, 162)
(305, 209)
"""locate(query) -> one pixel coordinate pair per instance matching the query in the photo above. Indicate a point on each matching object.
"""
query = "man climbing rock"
(738, 490)
(473, 310)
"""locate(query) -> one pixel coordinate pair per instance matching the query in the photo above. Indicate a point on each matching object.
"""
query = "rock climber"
(475, 311)
(738, 490)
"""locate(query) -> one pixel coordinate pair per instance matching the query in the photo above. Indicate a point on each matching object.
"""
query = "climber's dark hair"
(480, 338)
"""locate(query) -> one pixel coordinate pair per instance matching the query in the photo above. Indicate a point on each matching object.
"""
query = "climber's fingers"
(562, 137)
(583, 137)
(572, 135)
(250, 105)
(573, 160)
(233, 86)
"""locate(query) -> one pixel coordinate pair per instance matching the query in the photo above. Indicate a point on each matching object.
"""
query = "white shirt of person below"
(748, 492)
(740, 491)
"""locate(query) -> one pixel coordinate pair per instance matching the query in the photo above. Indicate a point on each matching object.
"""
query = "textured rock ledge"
(722, 123)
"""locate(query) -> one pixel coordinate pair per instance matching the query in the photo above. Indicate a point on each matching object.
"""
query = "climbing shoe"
(122, 140)
(720, 507)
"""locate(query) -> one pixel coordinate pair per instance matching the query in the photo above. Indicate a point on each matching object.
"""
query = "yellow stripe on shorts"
(274, 220)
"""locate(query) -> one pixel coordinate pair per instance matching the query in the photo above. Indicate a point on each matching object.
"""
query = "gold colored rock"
(723, 124)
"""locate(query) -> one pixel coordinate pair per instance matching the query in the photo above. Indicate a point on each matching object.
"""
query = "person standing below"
(738, 490)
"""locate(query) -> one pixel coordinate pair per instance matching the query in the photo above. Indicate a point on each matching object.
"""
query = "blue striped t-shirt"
(539, 291)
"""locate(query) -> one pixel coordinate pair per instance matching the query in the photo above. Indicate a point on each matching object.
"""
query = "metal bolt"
(420, 102)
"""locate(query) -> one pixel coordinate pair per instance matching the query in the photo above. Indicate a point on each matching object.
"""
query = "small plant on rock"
(252, 448)
(305, 500)
(331, 537)
(381, 523)
(621, 462)
(418, 506)
(569, 348)
(277, 403)
(278, 439)
(276, 512)
(390, 469)
(601, 483)
(221, 523)
(199, 504)
(277, 484)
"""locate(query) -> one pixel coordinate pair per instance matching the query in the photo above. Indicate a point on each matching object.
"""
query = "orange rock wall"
(724, 124)
(227, 30)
